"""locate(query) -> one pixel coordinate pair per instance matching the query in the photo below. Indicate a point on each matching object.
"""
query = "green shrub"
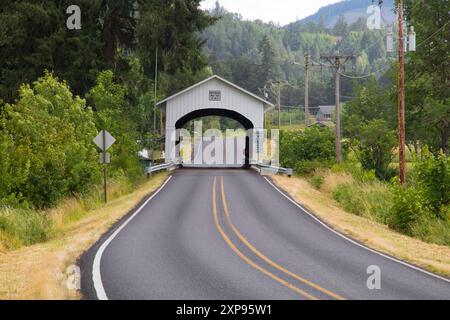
(432, 175)
(356, 171)
(419, 209)
(308, 166)
(25, 226)
(114, 113)
(370, 199)
(348, 198)
(376, 142)
(316, 181)
(307, 150)
(13, 173)
(409, 207)
(433, 230)
(46, 147)
(378, 200)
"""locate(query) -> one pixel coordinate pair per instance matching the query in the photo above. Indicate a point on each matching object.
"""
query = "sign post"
(104, 140)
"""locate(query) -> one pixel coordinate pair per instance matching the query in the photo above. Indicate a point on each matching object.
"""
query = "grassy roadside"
(38, 271)
(430, 256)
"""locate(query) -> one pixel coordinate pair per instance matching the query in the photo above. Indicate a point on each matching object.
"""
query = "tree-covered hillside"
(351, 10)
(253, 54)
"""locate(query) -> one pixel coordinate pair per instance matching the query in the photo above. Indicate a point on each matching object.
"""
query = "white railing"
(267, 168)
(260, 167)
(164, 166)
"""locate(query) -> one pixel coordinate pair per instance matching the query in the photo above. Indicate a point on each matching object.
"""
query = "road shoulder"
(40, 271)
(435, 258)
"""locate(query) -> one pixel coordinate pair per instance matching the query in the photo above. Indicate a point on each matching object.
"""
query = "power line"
(367, 75)
(439, 30)
(388, 66)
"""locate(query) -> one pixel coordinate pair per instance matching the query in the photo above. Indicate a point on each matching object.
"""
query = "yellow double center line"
(258, 253)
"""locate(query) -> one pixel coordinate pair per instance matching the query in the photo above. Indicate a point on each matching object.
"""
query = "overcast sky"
(282, 11)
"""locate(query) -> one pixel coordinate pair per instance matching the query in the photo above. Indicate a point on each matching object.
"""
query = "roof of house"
(327, 109)
(265, 102)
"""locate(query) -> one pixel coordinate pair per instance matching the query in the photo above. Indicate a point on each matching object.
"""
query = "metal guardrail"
(261, 167)
(164, 166)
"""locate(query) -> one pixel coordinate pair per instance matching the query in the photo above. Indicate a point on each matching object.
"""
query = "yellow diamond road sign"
(104, 140)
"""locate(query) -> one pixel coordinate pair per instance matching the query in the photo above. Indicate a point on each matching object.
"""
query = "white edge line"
(353, 241)
(96, 275)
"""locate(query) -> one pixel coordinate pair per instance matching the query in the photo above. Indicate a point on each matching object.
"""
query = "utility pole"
(156, 87)
(279, 103)
(337, 61)
(338, 109)
(402, 48)
(401, 95)
(307, 90)
(307, 65)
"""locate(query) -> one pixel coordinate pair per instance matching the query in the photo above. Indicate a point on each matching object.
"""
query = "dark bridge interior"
(246, 123)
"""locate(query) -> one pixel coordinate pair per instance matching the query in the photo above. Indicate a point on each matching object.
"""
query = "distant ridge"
(351, 10)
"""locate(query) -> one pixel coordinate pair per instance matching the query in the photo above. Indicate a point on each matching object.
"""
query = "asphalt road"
(229, 234)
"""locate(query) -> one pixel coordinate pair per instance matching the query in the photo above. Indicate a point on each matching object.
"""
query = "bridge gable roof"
(267, 104)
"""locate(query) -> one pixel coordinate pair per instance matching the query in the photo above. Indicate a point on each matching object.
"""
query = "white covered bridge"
(214, 96)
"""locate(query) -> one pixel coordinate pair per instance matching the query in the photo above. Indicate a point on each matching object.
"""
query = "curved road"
(229, 234)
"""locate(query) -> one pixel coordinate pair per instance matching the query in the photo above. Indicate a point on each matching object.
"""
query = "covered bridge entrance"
(214, 96)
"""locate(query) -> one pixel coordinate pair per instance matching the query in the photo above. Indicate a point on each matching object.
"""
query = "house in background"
(325, 113)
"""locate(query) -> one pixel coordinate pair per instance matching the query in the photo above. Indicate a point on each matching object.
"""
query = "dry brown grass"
(38, 271)
(375, 235)
(332, 180)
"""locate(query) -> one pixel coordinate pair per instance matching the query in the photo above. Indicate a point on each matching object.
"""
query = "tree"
(359, 25)
(432, 175)
(430, 21)
(48, 136)
(14, 173)
(245, 73)
(231, 39)
(267, 61)
(174, 26)
(306, 150)
(375, 147)
(112, 113)
(368, 123)
(341, 27)
(34, 38)
(371, 102)
(427, 91)
(118, 27)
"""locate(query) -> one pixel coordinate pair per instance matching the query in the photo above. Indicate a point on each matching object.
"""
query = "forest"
(60, 87)
(254, 54)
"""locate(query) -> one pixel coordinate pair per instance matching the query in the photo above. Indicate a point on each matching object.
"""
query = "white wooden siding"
(197, 98)
(231, 99)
